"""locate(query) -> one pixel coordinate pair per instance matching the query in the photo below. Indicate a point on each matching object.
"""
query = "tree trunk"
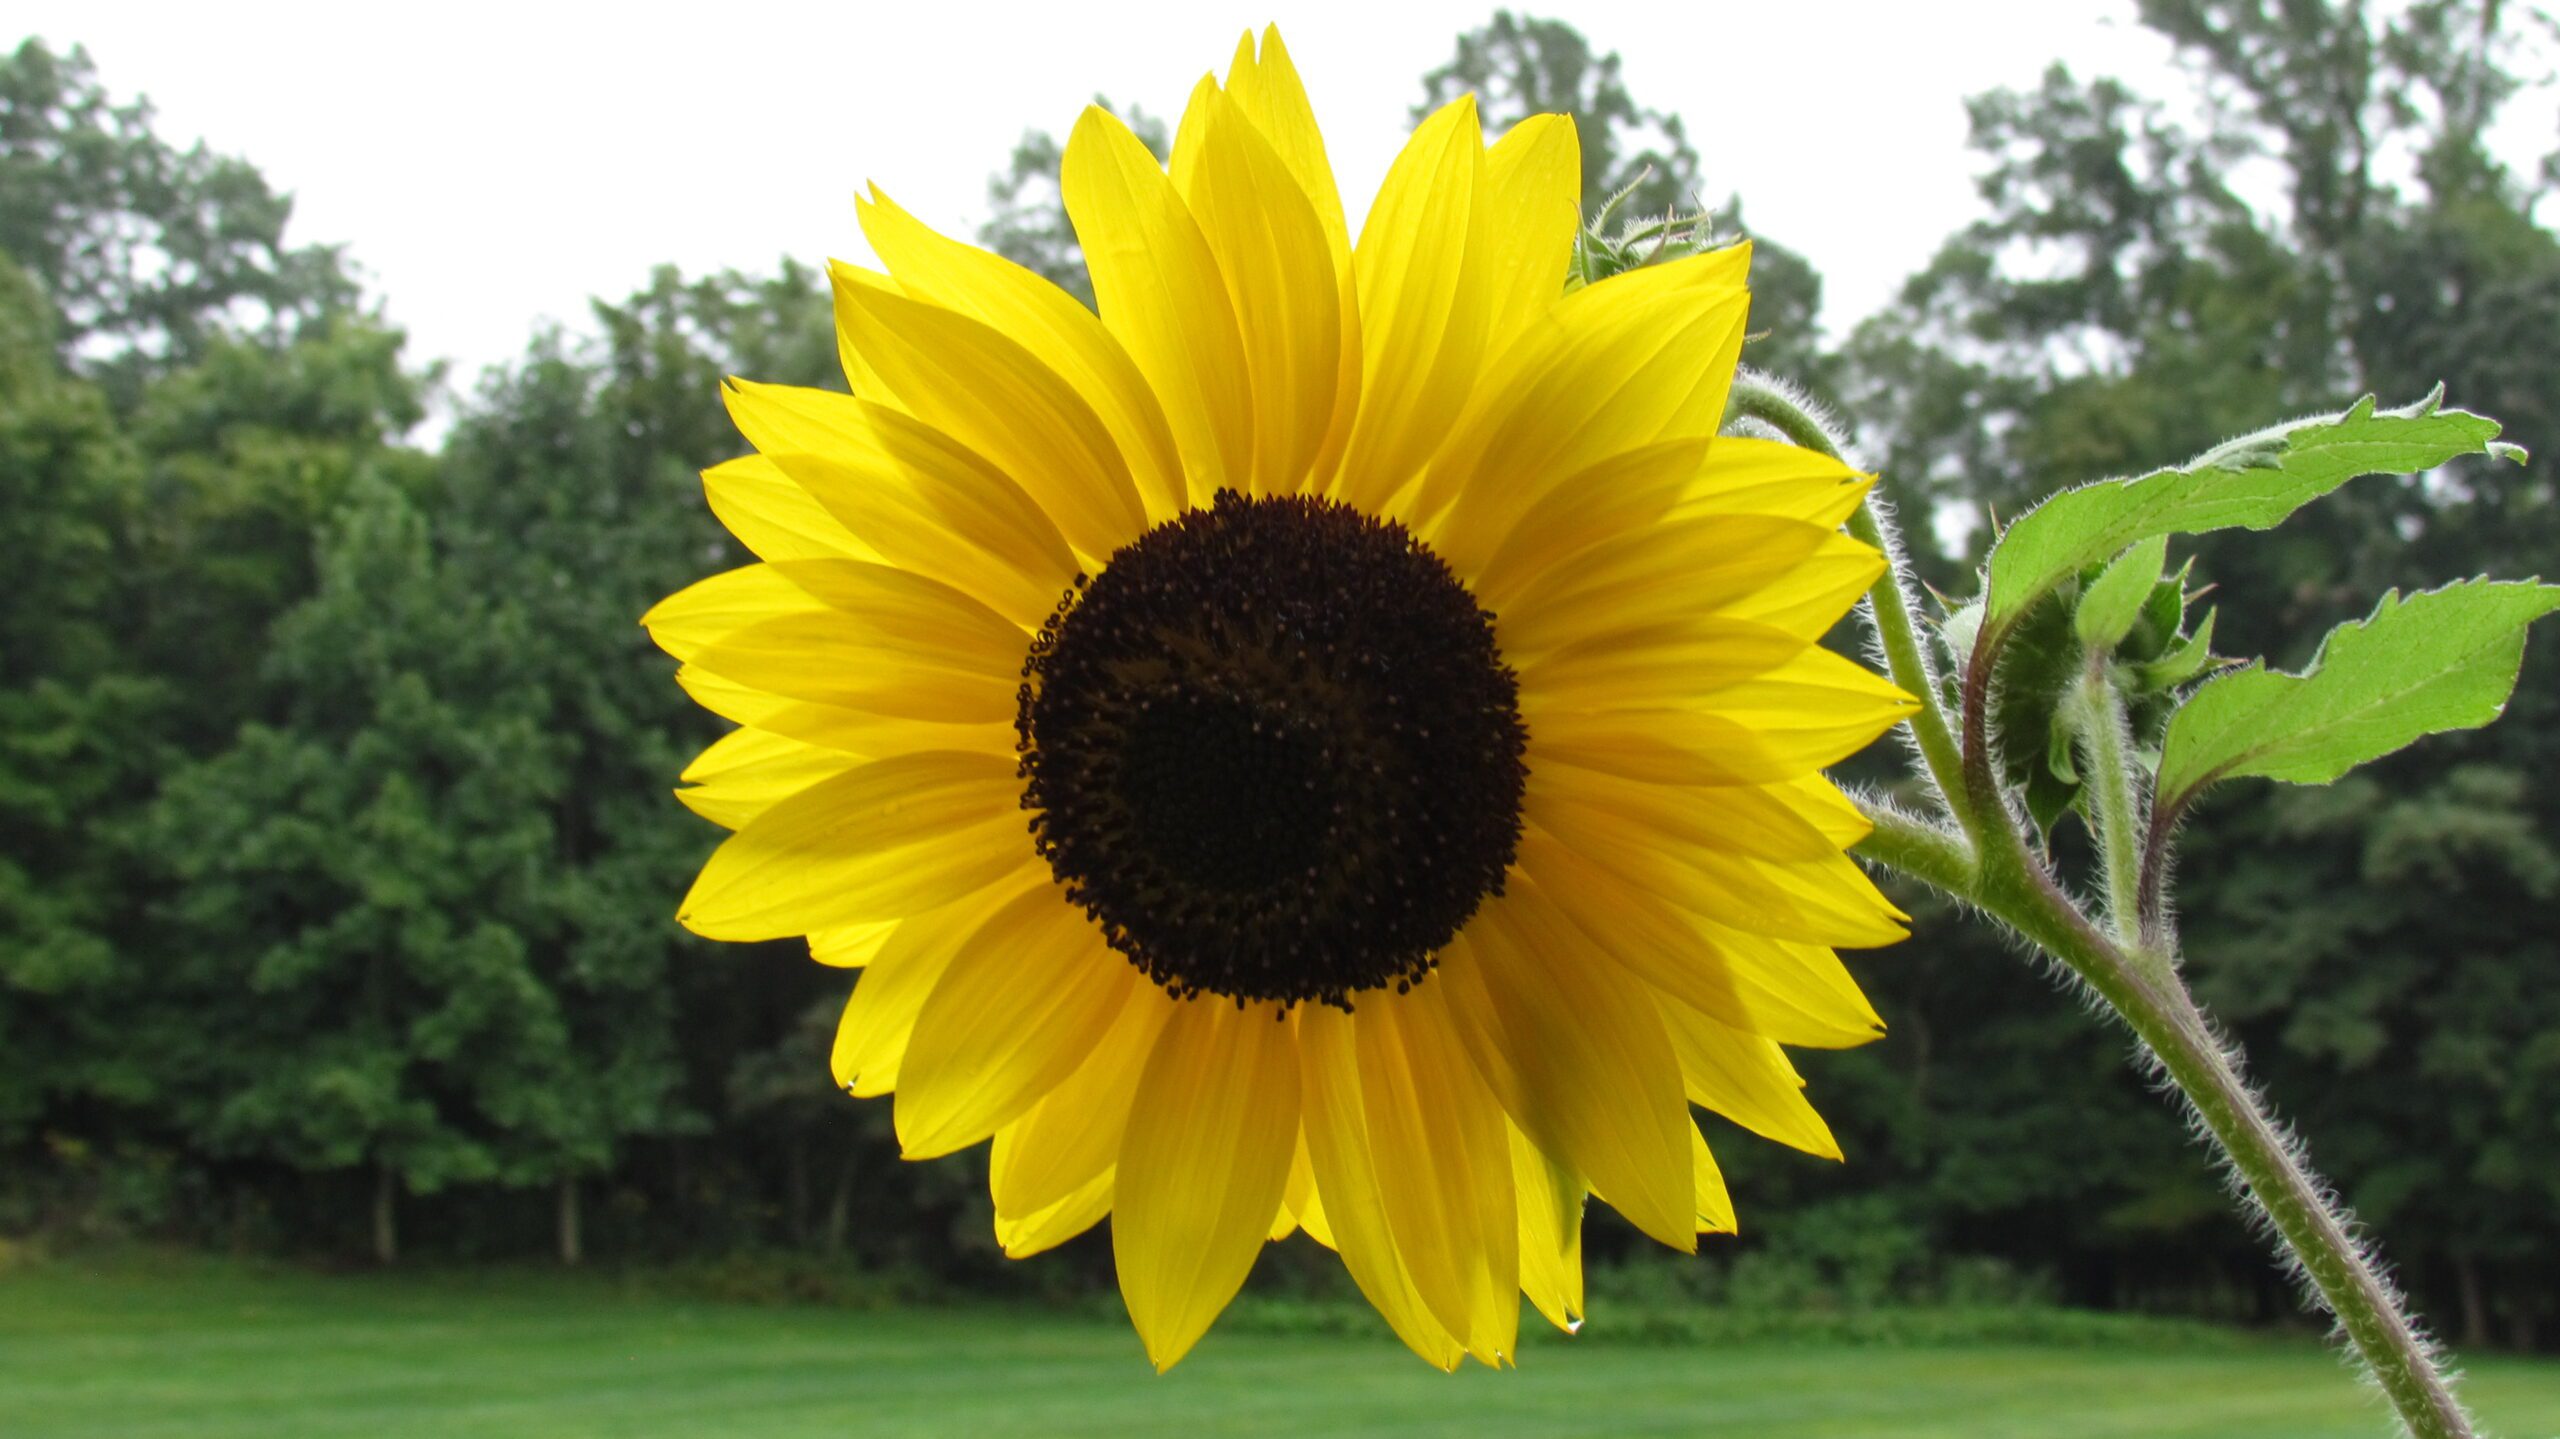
(572, 1248)
(795, 1189)
(386, 1232)
(2475, 1302)
(840, 1206)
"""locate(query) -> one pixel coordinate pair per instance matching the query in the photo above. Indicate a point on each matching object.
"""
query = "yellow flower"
(1333, 743)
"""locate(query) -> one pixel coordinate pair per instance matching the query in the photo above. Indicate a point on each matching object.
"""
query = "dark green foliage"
(147, 253)
(2123, 307)
(1519, 65)
(337, 859)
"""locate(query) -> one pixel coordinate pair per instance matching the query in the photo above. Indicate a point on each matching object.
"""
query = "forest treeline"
(337, 849)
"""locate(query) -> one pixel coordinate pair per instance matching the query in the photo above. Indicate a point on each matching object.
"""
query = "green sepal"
(2192, 657)
(2114, 602)
(2164, 614)
(1957, 632)
(2049, 797)
(2031, 745)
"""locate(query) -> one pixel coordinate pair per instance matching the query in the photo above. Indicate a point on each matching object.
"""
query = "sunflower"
(1333, 742)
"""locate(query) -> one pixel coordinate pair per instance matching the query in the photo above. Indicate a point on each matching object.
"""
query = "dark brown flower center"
(1273, 751)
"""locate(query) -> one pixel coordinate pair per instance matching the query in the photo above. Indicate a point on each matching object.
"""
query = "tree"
(147, 253)
(2126, 303)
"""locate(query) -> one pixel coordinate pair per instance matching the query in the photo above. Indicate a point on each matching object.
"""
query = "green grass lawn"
(190, 1348)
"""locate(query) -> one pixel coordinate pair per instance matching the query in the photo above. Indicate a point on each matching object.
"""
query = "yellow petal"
(1762, 820)
(1794, 993)
(1714, 1204)
(1311, 1218)
(1033, 1233)
(773, 516)
(1610, 367)
(854, 732)
(746, 771)
(1026, 1000)
(866, 381)
(1075, 1132)
(831, 658)
(1663, 573)
(852, 946)
(1828, 901)
(986, 391)
(1550, 1232)
(1162, 296)
(872, 1037)
(1348, 1210)
(1049, 323)
(1422, 326)
(1806, 714)
(1819, 706)
(915, 496)
(1671, 664)
(1444, 1166)
(1280, 277)
(1811, 598)
(1298, 1192)
(1827, 809)
(890, 838)
(1267, 91)
(1502, 547)
(1597, 1082)
(691, 620)
(1669, 747)
(1532, 211)
(907, 609)
(1202, 1168)
(1746, 1079)
(1748, 476)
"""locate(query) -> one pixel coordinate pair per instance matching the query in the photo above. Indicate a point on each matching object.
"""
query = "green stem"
(1906, 654)
(1917, 848)
(1990, 865)
(2155, 1004)
(2096, 715)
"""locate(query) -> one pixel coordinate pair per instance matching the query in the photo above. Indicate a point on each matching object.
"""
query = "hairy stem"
(2155, 1004)
(2096, 715)
(1991, 865)
(1906, 652)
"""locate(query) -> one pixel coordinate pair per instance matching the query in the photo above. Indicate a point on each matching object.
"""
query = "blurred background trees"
(337, 858)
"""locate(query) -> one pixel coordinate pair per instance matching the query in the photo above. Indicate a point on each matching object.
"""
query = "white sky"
(490, 164)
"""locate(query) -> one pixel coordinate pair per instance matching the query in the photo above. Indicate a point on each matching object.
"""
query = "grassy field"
(194, 1349)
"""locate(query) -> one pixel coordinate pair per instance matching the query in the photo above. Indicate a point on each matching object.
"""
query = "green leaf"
(2443, 660)
(2114, 602)
(2250, 483)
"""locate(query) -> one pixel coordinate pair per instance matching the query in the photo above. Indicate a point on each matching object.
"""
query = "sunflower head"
(1331, 742)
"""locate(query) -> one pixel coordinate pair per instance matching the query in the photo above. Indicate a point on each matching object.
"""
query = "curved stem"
(2096, 713)
(1916, 848)
(1906, 654)
(1991, 866)
(2160, 1011)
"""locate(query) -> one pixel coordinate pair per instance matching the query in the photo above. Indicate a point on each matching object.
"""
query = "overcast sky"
(490, 164)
